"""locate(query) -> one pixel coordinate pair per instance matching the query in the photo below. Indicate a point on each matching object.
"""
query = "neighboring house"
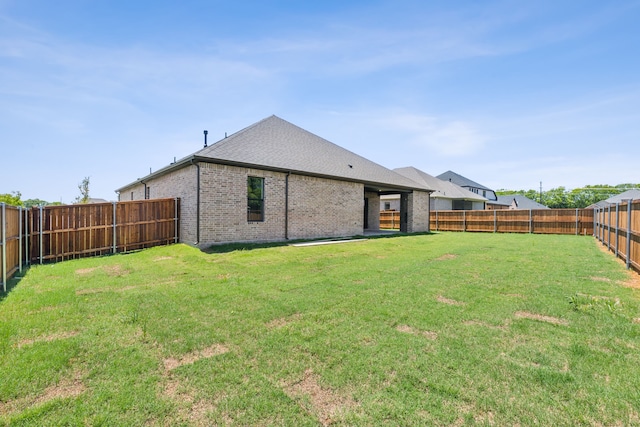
(466, 183)
(518, 201)
(446, 195)
(633, 194)
(275, 181)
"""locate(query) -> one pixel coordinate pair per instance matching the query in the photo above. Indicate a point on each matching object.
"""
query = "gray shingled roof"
(522, 202)
(443, 189)
(275, 144)
(460, 180)
(629, 194)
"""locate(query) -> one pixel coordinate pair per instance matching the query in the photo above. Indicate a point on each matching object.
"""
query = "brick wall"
(318, 207)
(321, 207)
(374, 210)
(418, 212)
(223, 205)
(180, 183)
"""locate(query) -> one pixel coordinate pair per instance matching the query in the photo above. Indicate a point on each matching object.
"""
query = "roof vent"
(205, 138)
(351, 166)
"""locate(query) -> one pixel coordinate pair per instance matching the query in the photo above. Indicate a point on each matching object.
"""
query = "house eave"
(381, 187)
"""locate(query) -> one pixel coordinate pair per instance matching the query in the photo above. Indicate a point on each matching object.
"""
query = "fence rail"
(618, 227)
(55, 233)
(538, 221)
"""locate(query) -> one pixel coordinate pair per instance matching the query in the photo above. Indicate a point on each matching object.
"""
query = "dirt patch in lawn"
(162, 258)
(190, 410)
(115, 270)
(633, 280)
(449, 301)
(46, 338)
(64, 389)
(485, 325)
(283, 321)
(111, 270)
(446, 257)
(323, 402)
(541, 318)
(189, 358)
(414, 331)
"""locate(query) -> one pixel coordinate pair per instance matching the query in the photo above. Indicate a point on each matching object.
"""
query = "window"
(387, 206)
(255, 199)
(132, 195)
(147, 193)
(462, 205)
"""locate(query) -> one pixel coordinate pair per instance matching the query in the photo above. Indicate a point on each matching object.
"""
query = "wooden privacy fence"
(55, 233)
(539, 221)
(618, 227)
(390, 220)
(13, 242)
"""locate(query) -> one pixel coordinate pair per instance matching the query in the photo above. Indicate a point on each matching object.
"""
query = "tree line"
(561, 197)
(15, 197)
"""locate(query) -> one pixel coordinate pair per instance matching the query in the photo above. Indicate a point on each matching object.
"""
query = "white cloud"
(448, 138)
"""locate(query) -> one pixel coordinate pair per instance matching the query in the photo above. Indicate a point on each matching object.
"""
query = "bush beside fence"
(618, 228)
(55, 233)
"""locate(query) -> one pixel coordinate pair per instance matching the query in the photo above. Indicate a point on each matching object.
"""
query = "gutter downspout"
(286, 206)
(145, 189)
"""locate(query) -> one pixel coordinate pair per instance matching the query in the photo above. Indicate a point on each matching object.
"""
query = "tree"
(84, 191)
(12, 199)
(29, 203)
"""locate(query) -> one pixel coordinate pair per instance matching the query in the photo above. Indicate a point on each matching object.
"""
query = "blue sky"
(507, 93)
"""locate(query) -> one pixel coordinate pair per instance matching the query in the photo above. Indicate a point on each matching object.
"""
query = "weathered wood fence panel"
(618, 227)
(539, 221)
(13, 257)
(56, 233)
(390, 220)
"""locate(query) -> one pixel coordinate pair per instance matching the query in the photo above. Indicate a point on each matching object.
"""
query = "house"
(274, 181)
(470, 185)
(518, 201)
(446, 195)
(633, 194)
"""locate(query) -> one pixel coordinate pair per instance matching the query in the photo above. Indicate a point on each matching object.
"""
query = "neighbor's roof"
(443, 189)
(275, 144)
(522, 202)
(460, 180)
(629, 194)
(633, 194)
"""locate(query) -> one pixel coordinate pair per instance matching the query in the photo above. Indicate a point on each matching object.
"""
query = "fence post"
(609, 227)
(3, 230)
(495, 221)
(20, 239)
(437, 229)
(530, 221)
(115, 246)
(27, 239)
(175, 220)
(40, 220)
(617, 225)
(629, 202)
(577, 225)
(464, 220)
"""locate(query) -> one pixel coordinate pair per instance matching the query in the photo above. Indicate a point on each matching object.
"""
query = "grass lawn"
(442, 329)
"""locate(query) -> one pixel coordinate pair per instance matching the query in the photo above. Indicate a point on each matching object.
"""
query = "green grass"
(442, 329)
